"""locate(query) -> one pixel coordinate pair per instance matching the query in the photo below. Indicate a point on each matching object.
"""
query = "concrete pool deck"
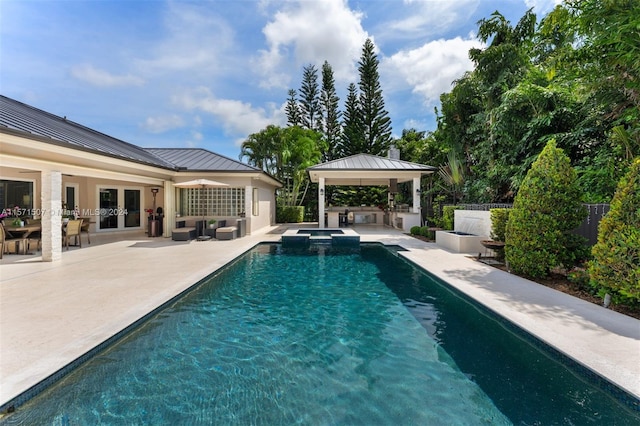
(52, 313)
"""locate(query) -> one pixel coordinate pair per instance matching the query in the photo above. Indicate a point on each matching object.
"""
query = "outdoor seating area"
(15, 238)
(26, 237)
(197, 229)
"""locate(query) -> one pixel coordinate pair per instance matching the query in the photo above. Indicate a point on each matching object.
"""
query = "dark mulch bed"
(560, 282)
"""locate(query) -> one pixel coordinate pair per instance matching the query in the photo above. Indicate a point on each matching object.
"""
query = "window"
(212, 201)
(15, 193)
(255, 202)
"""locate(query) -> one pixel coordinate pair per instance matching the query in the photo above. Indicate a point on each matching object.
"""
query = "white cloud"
(427, 17)
(431, 69)
(161, 124)
(304, 32)
(236, 117)
(542, 7)
(101, 78)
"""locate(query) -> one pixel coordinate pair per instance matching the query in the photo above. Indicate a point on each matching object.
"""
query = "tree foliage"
(310, 99)
(352, 137)
(546, 209)
(329, 107)
(292, 109)
(375, 119)
(285, 153)
(573, 77)
(615, 267)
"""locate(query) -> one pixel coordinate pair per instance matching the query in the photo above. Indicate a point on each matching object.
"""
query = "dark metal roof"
(371, 162)
(60, 131)
(198, 159)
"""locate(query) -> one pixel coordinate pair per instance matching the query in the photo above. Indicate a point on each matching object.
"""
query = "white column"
(321, 203)
(51, 202)
(169, 208)
(416, 195)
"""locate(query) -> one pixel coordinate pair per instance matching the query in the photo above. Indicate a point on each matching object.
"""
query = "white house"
(48, 163)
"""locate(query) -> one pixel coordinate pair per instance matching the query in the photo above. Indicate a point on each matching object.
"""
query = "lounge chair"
(182, 232)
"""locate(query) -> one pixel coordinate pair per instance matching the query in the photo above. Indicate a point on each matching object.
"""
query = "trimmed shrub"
(615, 268)
(448, 216)
(415, 230)
(579, 277)
(290, 214)
(546, 209)
(499, 218)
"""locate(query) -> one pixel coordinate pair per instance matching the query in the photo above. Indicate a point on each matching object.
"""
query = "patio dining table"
(22, 232)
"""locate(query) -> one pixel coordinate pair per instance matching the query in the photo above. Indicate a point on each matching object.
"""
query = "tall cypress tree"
(293, 110)
(352, 137)
(310, 98)
(375, 119)
(330, 114)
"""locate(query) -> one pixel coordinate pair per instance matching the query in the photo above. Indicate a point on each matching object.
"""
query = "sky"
(207, 74)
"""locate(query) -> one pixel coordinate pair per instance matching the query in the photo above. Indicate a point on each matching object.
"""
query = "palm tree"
(452, 174)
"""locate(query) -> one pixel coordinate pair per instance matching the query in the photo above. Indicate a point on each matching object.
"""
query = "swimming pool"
(322, 336)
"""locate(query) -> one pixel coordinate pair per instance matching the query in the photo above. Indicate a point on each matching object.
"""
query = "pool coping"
(37, 294)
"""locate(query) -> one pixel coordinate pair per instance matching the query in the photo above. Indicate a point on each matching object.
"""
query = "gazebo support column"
(321, 193)
(416, 194)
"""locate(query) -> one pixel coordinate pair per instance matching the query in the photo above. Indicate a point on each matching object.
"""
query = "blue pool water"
(322, 336)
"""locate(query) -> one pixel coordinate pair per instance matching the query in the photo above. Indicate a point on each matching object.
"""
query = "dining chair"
(73, 229)
(86, 223)
(35, 236)
(7, 241)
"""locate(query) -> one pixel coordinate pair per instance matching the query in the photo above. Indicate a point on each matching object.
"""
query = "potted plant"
(212, 223)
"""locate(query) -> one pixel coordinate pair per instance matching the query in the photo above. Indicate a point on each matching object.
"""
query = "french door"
(119, 208)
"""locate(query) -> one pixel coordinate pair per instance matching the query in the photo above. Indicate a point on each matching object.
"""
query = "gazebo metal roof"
(367, 170)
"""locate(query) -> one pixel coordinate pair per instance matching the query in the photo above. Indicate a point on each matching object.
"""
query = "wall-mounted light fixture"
(322, 191)
(418, 191)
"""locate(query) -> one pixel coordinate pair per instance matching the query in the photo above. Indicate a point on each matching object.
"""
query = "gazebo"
(370, 170)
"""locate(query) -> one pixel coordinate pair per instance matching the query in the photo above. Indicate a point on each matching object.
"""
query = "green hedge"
(448, 216)
(499, 218)
(290, 214)
(615, 268)
(546, 210)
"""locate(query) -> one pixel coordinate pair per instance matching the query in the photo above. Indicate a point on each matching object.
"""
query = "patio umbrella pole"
(203, 210)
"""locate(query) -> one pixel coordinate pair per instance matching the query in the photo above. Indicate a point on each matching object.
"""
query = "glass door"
(108, 208)
(131, 208)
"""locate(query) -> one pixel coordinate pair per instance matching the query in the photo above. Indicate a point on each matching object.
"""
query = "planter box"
(460, 242)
